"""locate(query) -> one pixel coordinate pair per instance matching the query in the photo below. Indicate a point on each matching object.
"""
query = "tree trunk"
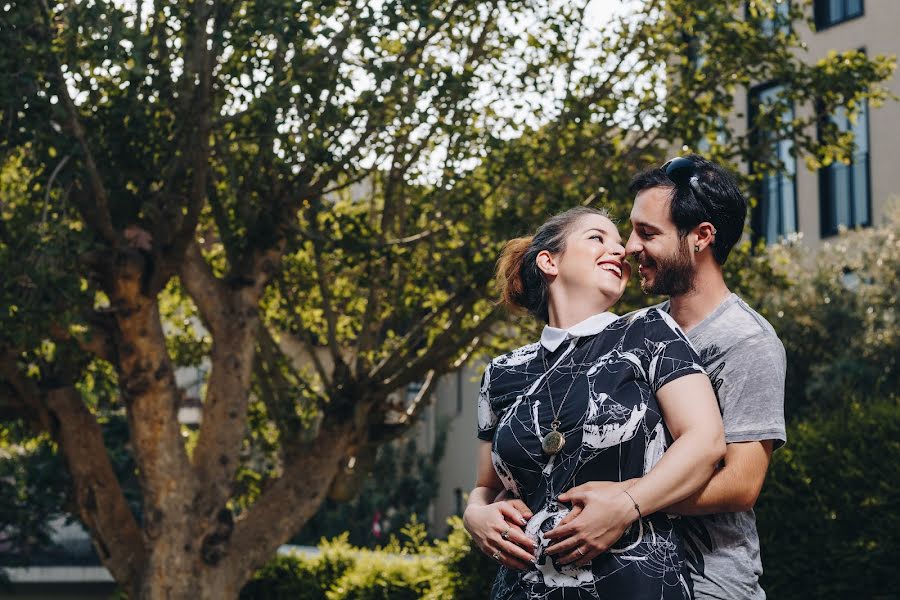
(175, 574)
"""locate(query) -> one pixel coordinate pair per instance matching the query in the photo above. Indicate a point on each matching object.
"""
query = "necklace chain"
(554, 426)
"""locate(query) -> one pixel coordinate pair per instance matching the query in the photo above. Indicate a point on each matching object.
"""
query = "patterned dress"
(601, 378)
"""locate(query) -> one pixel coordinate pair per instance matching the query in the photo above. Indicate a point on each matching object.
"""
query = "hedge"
(829, 516)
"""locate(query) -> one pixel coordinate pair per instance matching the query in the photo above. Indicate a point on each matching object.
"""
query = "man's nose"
(633, 246)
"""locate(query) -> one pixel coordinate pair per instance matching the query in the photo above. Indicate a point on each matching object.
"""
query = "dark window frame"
(756, 215)
(826, 218)
(823, 18)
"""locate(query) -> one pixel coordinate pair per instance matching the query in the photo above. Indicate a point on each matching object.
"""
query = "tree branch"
(289, 502)
(207, 291)
(97, 493)
(98, 215)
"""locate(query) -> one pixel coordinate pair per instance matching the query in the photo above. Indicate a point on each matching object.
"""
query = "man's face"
(665, 264)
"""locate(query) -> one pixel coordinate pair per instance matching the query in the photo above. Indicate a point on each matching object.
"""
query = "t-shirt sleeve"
(487, 418)
(752, 392)
(671, 355)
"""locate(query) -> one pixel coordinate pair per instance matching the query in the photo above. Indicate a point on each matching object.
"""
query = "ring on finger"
(496, 556)
(505, 534)
(578, 550)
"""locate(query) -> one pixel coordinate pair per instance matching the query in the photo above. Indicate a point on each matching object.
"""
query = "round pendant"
(553, 442)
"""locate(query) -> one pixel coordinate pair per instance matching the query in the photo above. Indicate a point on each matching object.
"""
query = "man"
(686, 218)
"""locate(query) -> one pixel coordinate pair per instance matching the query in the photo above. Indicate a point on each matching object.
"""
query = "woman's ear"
(546, 262)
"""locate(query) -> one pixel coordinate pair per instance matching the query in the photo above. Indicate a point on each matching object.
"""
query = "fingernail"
(524, 521)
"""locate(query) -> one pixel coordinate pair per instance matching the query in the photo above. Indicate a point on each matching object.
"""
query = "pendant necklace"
(555, 440)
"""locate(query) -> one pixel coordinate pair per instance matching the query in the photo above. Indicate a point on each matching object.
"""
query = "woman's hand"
(601, 512)
(498, 530)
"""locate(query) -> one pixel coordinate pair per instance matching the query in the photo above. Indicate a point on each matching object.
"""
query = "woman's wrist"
(635, 507)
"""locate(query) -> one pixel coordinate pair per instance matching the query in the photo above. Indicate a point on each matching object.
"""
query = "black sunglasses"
(682, 171)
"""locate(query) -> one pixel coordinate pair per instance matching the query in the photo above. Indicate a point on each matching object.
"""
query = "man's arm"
(735, 486)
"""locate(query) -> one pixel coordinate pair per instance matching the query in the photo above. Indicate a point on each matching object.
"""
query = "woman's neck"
(564, 317)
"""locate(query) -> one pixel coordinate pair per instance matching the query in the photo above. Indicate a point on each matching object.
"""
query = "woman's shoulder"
(652, 321)
(519, 356)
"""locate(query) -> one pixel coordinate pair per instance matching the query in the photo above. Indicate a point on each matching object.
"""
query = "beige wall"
(876, 32)
(456, 402)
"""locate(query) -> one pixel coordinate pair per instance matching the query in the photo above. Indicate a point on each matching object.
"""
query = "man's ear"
(546, 262)
(704, 235)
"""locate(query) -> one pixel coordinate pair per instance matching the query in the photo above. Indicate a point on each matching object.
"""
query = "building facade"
(818, 203)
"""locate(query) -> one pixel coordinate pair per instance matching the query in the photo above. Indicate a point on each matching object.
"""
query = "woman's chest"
(594, 405)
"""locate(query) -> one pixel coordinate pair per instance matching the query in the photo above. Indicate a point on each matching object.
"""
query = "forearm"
(735, 486)
(483, 495)
(721, 494)
(683, 469)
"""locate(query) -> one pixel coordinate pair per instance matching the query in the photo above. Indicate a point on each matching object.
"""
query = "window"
(844, 188)
(776, 214)
(831, 12)
(780, 22)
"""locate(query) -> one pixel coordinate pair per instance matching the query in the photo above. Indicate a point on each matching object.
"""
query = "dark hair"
(521, 282)
(725, 207)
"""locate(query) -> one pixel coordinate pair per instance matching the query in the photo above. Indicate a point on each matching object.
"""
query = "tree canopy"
(309, 197)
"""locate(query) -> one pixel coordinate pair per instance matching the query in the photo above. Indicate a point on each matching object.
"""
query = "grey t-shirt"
(746, 364)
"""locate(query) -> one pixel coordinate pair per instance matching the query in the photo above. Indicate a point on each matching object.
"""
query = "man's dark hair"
(724, 206)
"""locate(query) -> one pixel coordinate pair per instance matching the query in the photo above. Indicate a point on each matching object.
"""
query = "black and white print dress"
(602, 376)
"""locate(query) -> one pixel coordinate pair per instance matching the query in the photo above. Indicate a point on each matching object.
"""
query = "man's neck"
(689, 309)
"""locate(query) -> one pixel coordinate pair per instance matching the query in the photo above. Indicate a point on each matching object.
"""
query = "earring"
(696, 248)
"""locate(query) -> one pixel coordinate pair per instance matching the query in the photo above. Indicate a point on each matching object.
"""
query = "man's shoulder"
(737, 323)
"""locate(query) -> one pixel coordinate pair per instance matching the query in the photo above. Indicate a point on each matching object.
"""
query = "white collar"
(553, 337)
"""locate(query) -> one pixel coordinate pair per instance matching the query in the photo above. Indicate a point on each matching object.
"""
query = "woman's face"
(593, 265)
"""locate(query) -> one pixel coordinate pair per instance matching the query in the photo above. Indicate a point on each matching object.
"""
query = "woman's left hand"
(601, 512)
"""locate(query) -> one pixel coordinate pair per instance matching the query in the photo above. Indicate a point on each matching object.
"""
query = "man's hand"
(600, 514)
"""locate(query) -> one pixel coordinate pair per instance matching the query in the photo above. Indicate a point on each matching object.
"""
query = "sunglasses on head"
(682, 171)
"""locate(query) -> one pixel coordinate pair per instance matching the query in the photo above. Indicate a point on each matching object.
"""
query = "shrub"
(828, 519)
(451, 569)
(836, 313)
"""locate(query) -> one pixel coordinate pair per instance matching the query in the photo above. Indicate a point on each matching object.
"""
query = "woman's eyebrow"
(603, 231)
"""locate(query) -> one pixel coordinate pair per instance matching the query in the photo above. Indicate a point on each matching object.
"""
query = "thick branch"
(224, 421)
(207, 291)
(97, 494)
(147, 383)
(300, 349)
(441, 350)
(289, 502)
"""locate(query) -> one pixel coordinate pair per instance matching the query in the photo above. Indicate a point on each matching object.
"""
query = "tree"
(325, 186)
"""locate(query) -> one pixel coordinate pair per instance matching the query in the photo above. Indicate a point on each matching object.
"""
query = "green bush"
(828, 520)
(466, 573)
(298, 577)
(835, 310)
(451, 569)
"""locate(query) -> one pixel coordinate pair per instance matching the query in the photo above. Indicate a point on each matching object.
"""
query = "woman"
(597, 399)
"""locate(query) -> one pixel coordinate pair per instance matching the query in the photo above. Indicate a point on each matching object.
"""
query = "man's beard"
(674, 274)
